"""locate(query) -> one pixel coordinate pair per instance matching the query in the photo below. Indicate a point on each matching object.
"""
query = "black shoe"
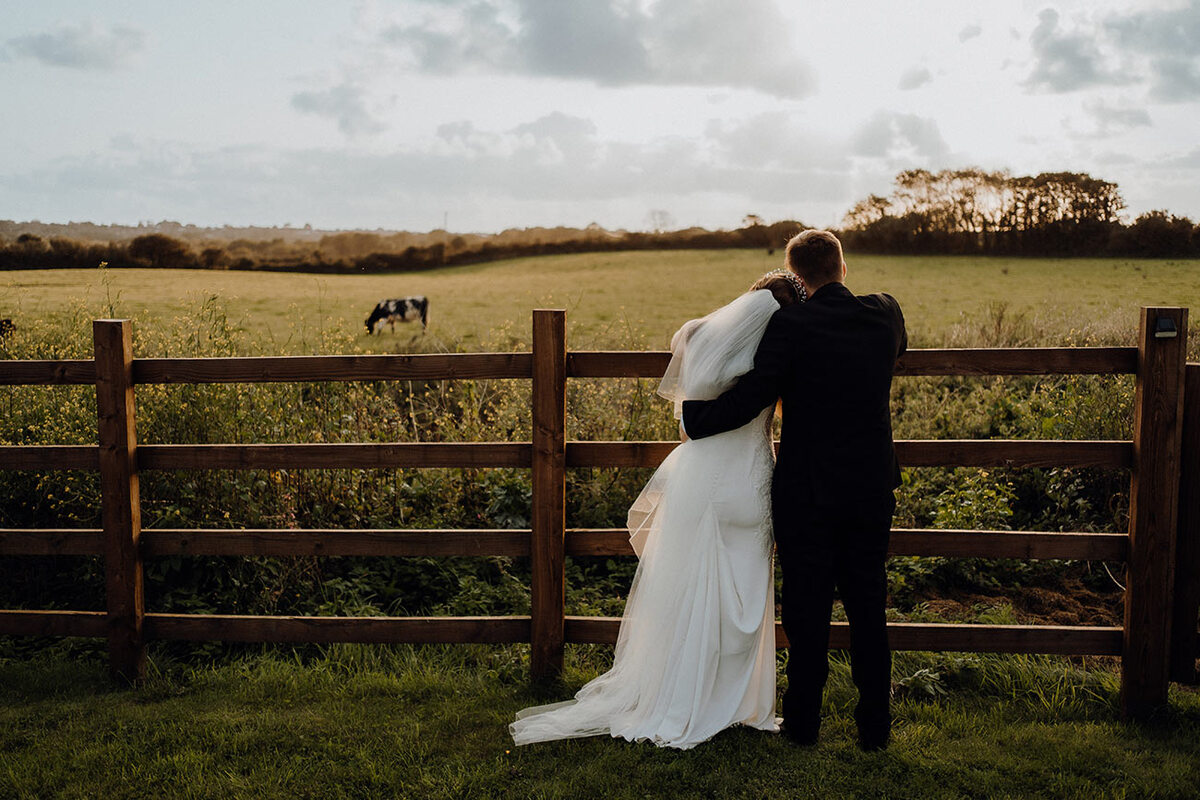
(805, 737)
(873, 740)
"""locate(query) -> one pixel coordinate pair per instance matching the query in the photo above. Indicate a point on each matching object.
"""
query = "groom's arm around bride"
(830, 360)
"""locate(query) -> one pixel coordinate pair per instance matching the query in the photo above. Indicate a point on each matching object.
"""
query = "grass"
(361, 722)
(646, 293)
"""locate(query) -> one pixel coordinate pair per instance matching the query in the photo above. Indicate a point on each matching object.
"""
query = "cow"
(403, 309)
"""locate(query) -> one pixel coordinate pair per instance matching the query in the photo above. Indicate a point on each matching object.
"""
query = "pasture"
(228, 720)
(631, 297)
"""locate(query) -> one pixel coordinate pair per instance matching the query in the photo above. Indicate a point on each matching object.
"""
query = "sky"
(491, 114)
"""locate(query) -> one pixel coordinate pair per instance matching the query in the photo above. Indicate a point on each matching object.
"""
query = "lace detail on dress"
(761, 473)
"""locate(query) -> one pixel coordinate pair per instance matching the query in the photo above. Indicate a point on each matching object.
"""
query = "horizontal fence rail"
(123, 543)
(945, 361)
(333, 456)
(296, 369)
(514, 543)
(911, 453)
(375, 455)
(1070, 640)
(580, 364)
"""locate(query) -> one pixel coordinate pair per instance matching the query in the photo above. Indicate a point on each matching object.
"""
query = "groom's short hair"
(816, 256)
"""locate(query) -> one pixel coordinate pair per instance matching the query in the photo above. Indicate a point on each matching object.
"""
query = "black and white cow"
(403, 309)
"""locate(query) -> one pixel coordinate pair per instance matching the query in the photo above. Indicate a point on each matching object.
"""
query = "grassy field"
(361, 722)
(404, 722)
(621, 297)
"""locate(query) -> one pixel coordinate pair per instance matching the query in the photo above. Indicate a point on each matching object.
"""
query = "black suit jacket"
(831, 361)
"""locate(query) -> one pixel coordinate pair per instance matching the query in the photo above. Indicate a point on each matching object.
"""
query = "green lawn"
(609, 296)
(364, 722)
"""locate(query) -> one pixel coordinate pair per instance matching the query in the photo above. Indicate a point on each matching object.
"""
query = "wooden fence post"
(120, 506)
(1184, 650)
(549, 493)
(1153, 506)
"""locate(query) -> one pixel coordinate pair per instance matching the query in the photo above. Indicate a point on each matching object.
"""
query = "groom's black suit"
(831, 361)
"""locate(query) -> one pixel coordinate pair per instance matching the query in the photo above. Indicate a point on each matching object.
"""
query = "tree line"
(356, 252)
(972, 211)
(965, 212)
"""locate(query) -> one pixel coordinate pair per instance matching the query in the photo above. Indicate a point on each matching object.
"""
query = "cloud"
(1156, 47)
(1123, 118)
(1161, 32)
(915, 78)
(345, 103)
(596, 40)
(1065, 62)
(1175, 80)
(1109, 120)
(774, 141)
(708, 43)
(458, 41)
(556, 168)
(890, 134)
(1170, 38)
(969, 32)
(87, 46)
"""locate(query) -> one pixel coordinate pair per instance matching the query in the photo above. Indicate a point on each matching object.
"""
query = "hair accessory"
(793, 279)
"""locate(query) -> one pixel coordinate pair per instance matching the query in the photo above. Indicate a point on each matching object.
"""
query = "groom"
(831, 361)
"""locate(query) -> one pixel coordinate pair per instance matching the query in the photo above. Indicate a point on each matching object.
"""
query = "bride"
(696, 649)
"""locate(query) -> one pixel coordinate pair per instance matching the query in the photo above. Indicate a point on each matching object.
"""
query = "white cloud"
(1112, 119)
(969, 32)
(709, 43)
(344, 103)
(1158, 47)
(1175, 80)
(1170, 38)
(555, 169)
(1165, 32)
(914, 78)
(890, 134)
(1065, 62)
(86, 46)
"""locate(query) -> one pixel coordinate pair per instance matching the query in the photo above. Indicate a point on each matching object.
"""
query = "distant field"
(610, 297)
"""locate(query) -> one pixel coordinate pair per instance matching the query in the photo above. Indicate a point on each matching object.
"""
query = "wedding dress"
(696, 649)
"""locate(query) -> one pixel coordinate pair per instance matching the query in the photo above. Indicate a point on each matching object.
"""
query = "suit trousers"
(821, 548)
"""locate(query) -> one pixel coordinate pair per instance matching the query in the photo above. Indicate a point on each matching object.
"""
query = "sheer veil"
(708, 354)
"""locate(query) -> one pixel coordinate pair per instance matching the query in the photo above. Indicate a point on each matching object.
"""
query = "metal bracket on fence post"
(120, 504)
(1153, 506)
(547, 558)
(1185, 640)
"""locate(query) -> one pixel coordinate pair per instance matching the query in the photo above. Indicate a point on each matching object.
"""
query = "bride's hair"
(784, 286)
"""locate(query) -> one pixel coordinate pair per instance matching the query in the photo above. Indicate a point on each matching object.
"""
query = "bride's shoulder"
(684, 333)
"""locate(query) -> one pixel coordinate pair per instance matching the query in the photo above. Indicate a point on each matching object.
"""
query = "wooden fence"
(1157, 642)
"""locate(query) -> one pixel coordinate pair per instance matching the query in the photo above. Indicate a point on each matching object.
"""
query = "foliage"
(362, 252)
(973, 211)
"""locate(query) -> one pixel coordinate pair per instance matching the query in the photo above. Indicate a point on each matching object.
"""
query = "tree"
(159, 250)
(213, 258)
(659, 220)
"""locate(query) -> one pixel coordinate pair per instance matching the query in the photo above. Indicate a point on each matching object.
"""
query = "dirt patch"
(1068, 603)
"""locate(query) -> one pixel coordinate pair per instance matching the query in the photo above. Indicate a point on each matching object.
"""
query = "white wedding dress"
(696, 649)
